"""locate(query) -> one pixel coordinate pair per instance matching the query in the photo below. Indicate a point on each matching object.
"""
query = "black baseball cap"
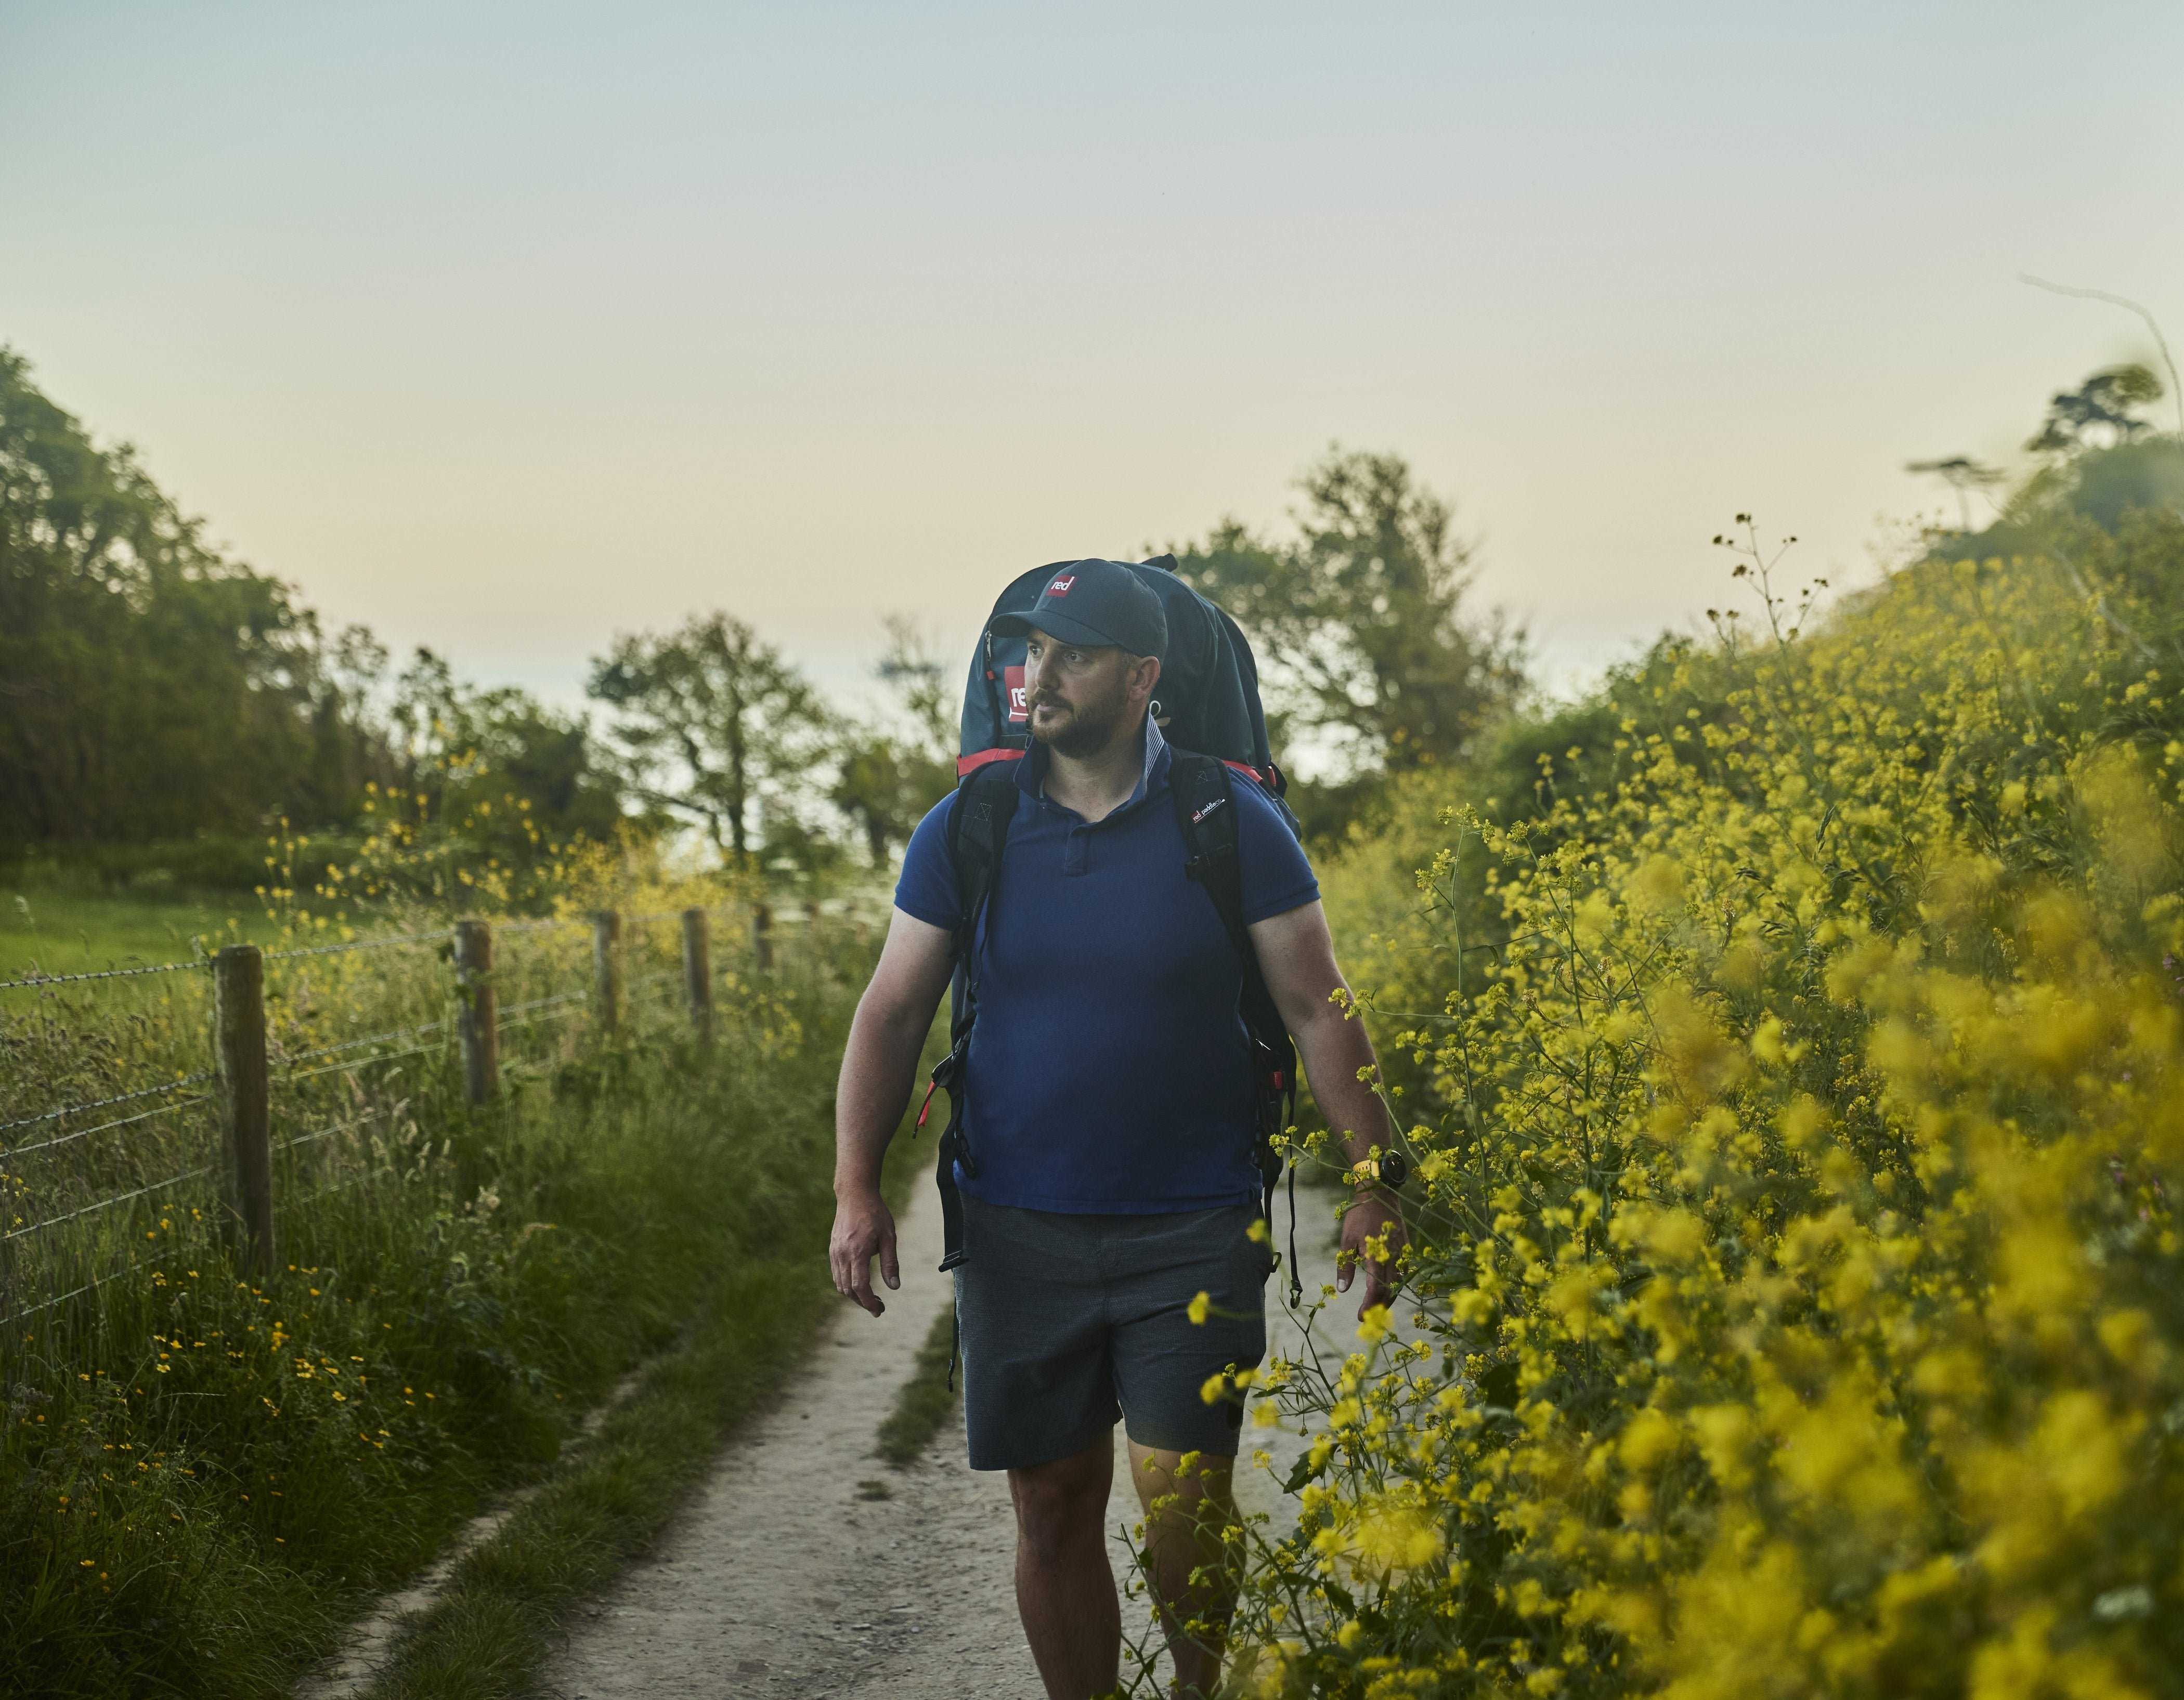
(1095, 602)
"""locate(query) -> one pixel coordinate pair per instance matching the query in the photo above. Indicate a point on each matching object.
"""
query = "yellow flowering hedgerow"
(1796, 1085)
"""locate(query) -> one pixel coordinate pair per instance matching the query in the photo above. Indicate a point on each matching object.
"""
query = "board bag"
(1207, 706)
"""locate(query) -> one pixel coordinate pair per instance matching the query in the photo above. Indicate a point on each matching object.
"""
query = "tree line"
(155, 691)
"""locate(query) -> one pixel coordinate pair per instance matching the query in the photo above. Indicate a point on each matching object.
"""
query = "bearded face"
(1079, 699)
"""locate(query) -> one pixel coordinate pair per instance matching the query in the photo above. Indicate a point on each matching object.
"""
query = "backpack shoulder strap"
(1205, 810)
(977, 832)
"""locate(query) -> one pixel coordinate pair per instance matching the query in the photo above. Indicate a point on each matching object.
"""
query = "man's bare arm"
(1297, 954)
(879, 1065)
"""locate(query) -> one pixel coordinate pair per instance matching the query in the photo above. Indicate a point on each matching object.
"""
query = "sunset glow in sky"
(503, 328)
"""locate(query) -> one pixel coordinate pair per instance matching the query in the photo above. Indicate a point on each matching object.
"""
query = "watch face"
(1393, 1170)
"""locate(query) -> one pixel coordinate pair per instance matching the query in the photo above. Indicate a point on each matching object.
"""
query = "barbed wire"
(350, 1127)
(175, 1084)
(335, 1059)
(549, 922)
(422, 1027)
(357, 1062)
(103, 1127)
(385, 943)
(107, 1203)
(131, 1267)
(103, 974)
(534, 1020)
(545, 1003)
(334, 1186)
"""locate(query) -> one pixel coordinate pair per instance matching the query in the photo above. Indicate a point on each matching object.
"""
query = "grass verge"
(926, 1401)
(56, 930)
(489, 1631)
(204, 1477)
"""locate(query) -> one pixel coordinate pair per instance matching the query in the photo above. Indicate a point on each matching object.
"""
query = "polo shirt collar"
(1031, 771)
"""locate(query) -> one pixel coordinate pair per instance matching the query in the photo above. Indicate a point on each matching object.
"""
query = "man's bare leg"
(1187, 1512)
(1064, 1586)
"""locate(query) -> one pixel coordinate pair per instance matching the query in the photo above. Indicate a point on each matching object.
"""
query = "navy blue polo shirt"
(1109, 1070)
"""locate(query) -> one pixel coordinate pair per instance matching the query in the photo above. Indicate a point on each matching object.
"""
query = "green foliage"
(888, 776)
(2102, 410)
(50, 928)
(200, 1473)
(154, 692)
(1360, 622)
(149, 687)
(463, 752)
(712, 722)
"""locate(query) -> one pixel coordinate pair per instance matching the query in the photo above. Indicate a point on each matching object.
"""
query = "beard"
(1082, 729)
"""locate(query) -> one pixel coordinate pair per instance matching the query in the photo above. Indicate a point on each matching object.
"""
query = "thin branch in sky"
(2175, 390)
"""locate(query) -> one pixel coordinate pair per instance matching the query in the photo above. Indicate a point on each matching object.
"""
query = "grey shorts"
(1069, 1321)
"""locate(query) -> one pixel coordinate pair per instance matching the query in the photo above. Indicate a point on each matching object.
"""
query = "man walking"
(1110, 1110)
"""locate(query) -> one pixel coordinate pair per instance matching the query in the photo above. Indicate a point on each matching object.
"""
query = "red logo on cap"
(1060, 585)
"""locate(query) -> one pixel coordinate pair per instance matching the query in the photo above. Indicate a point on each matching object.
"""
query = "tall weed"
(1793, 1068)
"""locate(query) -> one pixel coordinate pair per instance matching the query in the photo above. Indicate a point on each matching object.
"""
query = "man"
(1110, 1111)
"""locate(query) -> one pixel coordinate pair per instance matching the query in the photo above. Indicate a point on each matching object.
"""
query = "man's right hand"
(864, 1228)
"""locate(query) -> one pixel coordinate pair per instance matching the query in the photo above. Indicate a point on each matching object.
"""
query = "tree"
(887, 776)
(710, 721)
(149, 687)
(1962, 474)
(523, 777)
(2099, 412)
(1360, 619)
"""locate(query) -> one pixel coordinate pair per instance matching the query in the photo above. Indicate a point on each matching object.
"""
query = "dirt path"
(779, 1578)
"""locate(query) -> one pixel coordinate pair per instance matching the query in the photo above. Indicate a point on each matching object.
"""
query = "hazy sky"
(502, 328)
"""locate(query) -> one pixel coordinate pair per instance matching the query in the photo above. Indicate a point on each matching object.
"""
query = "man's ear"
(1144, 676)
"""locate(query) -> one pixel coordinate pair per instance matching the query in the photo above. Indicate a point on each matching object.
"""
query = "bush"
(1796, 1081)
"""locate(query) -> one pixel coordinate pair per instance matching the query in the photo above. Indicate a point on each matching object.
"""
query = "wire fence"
(297, 1105)
(44, 980)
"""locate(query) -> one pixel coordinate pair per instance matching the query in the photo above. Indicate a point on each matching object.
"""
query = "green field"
(52, 931)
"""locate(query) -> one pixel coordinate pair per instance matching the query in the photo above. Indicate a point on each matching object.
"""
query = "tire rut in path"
(779, 1578)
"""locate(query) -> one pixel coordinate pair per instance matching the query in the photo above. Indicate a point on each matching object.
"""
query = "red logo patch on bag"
(1018, 708)
(1060, 585)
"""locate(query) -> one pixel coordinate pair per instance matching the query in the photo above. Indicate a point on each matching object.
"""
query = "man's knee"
(1060, 1504)
(1195, 1487)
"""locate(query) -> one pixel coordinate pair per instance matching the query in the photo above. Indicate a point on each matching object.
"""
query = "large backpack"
(1209, 711)
(1209, 688)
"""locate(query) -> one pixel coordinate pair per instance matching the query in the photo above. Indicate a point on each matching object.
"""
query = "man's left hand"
(1374, 1210)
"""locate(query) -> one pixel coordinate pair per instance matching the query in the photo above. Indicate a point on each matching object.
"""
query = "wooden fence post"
(761, 936)
(606, 967)
(697, 972)
(479, 1020)
(239, 1047)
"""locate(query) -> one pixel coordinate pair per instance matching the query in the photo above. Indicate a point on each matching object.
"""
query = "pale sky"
(505, 328)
